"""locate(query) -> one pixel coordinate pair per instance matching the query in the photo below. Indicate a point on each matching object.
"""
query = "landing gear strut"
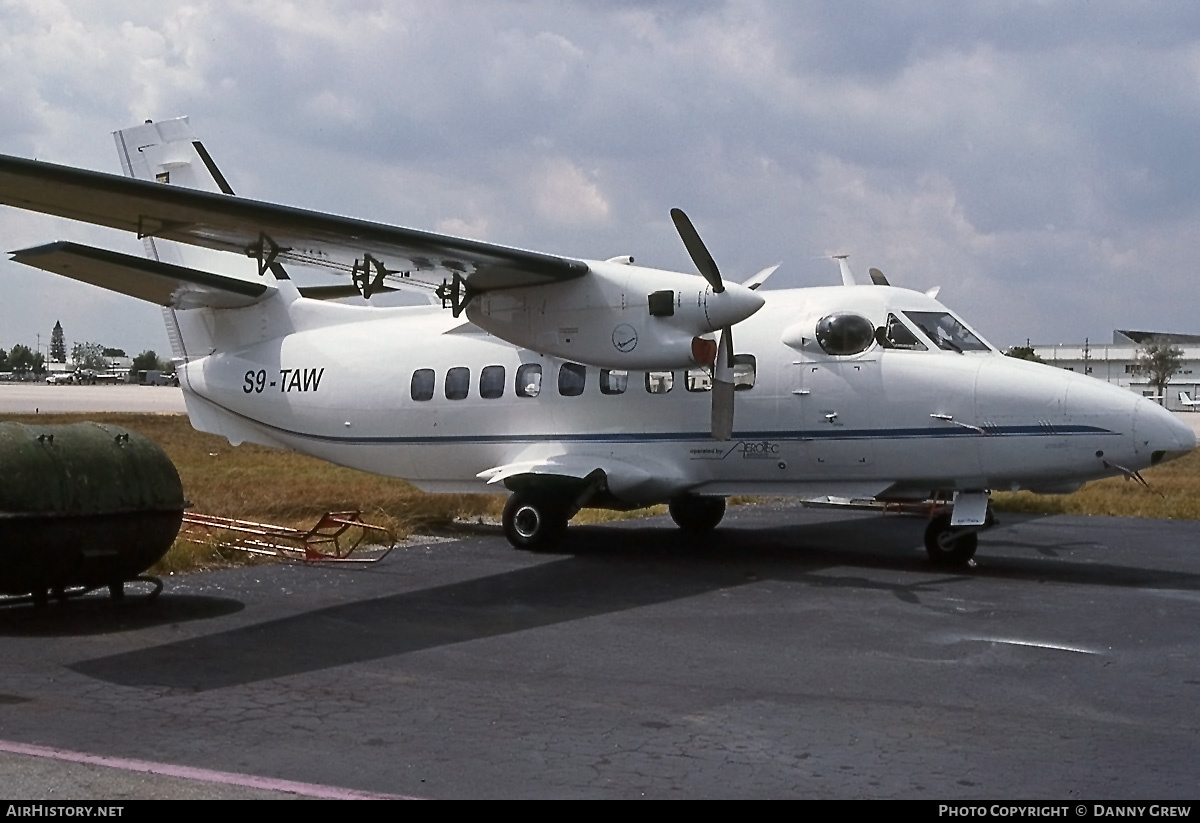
(534, 520)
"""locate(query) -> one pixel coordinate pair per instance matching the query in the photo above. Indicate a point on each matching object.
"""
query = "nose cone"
(1160, 434)
(730, 306)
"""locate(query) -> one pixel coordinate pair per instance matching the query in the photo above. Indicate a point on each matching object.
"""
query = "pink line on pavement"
(206, 775)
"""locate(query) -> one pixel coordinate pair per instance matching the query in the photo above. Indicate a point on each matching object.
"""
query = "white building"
(1117, 363)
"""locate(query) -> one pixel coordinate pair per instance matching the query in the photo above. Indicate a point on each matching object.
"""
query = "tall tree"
(145, 361)
(58, 345)
(88, 356)
(20, 359)
(1159, 360)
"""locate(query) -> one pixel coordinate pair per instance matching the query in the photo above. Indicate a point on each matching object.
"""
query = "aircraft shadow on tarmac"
(98, 614)
(607, 569)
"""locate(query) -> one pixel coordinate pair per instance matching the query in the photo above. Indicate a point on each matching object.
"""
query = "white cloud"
(565, 195)
(1024, 158)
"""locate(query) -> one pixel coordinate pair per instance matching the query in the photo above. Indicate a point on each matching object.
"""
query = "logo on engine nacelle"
(625, 337)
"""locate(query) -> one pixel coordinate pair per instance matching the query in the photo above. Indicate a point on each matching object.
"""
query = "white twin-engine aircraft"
(577, 383)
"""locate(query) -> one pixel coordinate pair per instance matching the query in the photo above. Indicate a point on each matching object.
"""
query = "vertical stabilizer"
(168, 152)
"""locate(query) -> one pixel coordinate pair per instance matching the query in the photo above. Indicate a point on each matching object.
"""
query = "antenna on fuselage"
(847, 275)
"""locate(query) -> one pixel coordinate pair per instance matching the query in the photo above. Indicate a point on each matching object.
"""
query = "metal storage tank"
(82, 505)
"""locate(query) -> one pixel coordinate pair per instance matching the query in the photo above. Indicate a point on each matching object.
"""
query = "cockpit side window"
(946, 331)
(895, 335)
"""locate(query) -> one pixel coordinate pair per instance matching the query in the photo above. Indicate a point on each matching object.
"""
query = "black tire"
(947, 546)
(533, 522)
(693, 513)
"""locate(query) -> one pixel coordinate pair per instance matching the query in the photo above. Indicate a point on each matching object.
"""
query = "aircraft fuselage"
(414, 393)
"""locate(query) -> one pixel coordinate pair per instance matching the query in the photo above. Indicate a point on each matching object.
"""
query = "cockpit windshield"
(945, 330)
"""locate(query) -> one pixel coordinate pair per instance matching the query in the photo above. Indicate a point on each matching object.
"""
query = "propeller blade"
(697, 250)
(758, 279)
(722, 389)
(878, 279)
(721, 424)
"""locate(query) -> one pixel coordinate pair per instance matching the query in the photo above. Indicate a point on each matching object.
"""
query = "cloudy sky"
(1037, 160)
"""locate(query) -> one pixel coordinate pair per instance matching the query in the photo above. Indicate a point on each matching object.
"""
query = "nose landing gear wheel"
(533, 522)
(947, 546)
(693, 513)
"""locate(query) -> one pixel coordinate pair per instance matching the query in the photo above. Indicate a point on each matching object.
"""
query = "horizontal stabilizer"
(167, 285)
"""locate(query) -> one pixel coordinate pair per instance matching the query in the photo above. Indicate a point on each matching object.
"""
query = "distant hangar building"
(1118, 364)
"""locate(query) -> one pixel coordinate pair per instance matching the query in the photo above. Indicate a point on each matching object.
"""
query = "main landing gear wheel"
(533, 521)
(693, 513)
(948, 546)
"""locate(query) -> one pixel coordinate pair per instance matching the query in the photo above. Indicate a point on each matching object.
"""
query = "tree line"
(24, 362)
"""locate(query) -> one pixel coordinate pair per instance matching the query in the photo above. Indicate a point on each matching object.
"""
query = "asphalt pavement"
(795, 653)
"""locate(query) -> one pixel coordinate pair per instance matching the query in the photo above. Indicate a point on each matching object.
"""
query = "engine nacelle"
(616, 316)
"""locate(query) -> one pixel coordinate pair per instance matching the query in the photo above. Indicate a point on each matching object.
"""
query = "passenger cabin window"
(844, 333)
(529, 380)
(946, 331)
(698, 379)
(458, 383)
(613, 381)
(745, 371)
(422, 384)
(660, 382)
(572, 377)
(491, 382)
(895, 335)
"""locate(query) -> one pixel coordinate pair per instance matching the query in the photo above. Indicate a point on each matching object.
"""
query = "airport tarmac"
(34, 398)
(795, 653)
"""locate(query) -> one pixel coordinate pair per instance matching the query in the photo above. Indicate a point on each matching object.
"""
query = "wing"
(272, 233)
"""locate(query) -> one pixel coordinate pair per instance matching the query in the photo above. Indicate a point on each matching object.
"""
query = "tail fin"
(168, 152)
(217, 294)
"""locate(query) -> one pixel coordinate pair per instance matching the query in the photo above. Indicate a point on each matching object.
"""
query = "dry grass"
(251, 482)
(1174, 494)
(255, 483)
